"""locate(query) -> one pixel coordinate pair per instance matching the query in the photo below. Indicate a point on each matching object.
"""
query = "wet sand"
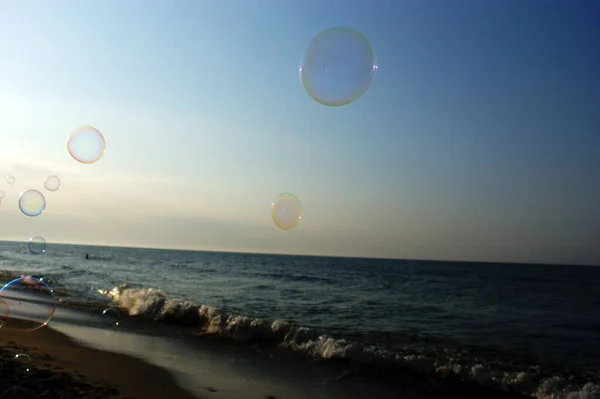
(57, 367)
(212, 367)
(77, 357)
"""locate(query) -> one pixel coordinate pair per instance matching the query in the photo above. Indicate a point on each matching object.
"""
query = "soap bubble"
(86, 144)
(111, 316)
(338, 67)
(32, 203)
(2, 194)
(286, 211)
(10, 179)
(49, 281)
(31, 303)
(37, 245)
(52, 183)
(23, 359)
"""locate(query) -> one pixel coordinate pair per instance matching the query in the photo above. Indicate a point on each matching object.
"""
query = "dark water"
(528, 328)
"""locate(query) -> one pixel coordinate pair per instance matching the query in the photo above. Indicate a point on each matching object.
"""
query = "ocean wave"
(533, 381)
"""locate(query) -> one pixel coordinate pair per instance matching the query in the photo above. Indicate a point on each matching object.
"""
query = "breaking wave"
(535, 381)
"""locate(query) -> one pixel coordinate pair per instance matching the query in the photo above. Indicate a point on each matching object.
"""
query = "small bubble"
(52, 183)
(286, 211)
(112, 316)
(37, 245)
(49, 281)
(32, 203)
(86, 144)
(23, 359)
(10, 179)
(338, 67)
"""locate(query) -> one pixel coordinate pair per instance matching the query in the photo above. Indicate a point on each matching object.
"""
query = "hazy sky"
(479, 139)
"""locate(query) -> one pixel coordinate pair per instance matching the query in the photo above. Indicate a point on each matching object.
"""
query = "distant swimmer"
(87, 256)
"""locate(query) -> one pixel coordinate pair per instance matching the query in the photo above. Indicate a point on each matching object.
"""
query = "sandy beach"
(77, 358)
(48, 364)
(153, 351)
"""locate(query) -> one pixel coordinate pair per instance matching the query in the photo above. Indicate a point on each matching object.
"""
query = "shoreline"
(58, 367)
(66, 367)
(221, 363)
(213, 350)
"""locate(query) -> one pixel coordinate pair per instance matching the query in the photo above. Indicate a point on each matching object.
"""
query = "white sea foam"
(154, 304)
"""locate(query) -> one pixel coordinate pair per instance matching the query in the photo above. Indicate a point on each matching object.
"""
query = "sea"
(484, 329)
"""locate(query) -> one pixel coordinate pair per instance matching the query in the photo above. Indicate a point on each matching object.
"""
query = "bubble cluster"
(37, 245)
(86, 145)
(32, 203)
(338, 66)
(31, 304)
(111, 316)
(286, 211)
(52, 183)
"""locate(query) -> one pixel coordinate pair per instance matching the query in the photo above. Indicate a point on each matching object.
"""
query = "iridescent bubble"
(10, 179)
(338, 67)
(2, 194)
(86, 144)
(111, 316)
(32, 203)
(37, 245)
(52, 183)
(31, 302)
(286, 211)
(23, 359)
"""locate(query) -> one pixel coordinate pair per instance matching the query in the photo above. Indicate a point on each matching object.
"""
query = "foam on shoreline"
(537, 382)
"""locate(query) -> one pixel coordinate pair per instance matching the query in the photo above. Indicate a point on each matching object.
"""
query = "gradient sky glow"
(478, 140)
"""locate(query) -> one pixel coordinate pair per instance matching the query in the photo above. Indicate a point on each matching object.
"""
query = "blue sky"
(478, 139)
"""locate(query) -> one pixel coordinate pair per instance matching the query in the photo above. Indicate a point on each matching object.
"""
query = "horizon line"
(313, 255)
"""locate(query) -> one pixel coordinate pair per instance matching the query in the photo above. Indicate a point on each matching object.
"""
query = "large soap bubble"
(86, 144)
(32, 203)
(31, 304)
(338, 67)
(286, 211)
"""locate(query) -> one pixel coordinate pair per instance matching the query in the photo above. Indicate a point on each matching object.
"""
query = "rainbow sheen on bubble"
(37, 245)
(31, 303)
(86, 145)
(32, 203)
(286, 211)
(52, 183)
(10, 179)
(338, 67)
